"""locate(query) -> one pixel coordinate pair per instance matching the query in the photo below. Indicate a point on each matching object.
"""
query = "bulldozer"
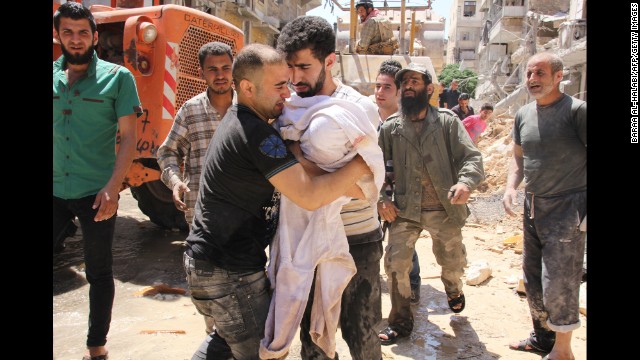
(421, 41)
(159, 44)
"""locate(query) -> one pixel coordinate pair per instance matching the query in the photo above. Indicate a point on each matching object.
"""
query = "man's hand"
(508, 200)
(459, 194)
(178, 189)
(106, 202)
(387, 210)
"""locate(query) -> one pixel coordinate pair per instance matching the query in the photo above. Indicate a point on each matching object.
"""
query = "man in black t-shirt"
(450, 95)
(246, 168)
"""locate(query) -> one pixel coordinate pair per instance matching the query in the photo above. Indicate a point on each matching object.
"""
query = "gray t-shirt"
(554, 146)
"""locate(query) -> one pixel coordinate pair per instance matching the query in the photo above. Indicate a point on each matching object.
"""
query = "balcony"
(498, 12)
(506, 30)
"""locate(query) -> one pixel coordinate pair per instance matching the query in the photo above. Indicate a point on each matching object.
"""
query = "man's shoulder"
(348, 93)
(446, 114)
(392, 121)
(197, 99)
(471, 118)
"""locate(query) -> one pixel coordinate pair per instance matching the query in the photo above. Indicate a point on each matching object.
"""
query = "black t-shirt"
(236, 214)
(450, 97)
(458, 111)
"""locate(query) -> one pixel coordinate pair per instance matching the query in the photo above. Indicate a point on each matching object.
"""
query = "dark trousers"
(361, 308)
(98, 258)
(238, 303)
(414, 275)
(553, 254)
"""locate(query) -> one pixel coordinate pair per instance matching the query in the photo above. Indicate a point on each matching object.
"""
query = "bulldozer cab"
(359, 70)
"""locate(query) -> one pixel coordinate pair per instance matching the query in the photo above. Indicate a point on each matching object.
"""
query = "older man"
(555, 205)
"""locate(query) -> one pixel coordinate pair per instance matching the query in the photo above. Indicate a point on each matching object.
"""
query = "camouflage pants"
(449, 252)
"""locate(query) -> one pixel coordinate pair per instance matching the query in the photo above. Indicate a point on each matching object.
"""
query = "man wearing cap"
(440, 166)
(376, 37)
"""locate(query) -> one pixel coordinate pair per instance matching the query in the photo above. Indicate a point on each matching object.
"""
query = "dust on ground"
(145, 254)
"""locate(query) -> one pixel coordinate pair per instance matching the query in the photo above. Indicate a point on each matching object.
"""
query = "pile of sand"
(496, 146)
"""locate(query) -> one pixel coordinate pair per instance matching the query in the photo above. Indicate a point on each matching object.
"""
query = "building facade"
(465, 24)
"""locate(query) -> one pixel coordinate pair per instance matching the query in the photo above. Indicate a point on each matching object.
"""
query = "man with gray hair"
(246, 168)
(436, 166)
(555, 205)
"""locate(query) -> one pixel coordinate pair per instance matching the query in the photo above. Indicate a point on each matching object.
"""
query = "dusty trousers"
(449, 252)
(361, 308)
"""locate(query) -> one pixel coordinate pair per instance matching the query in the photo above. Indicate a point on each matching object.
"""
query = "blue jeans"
(553, 254)
(237, 301)
(98, 258)
(361, 307)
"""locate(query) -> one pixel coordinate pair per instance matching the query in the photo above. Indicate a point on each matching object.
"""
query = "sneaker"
(415, 296)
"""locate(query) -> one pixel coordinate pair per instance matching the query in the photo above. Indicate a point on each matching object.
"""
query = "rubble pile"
(496, 147)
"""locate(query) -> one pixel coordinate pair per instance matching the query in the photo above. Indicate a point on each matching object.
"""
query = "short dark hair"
(487, 106)
(74, 11)
(463, 96)
(251, 60)
(391, 67)
(308, 32)
(214, 48)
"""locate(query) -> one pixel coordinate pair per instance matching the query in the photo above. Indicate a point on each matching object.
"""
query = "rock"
(511, 281)
(478, 272)
(520, 289)
(512, 240)
(499, 229)
(497, 249)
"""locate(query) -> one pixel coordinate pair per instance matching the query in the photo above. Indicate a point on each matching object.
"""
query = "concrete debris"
(520, 289)
(511, 281)
(478, 272)
(515, 242)
(497, 249)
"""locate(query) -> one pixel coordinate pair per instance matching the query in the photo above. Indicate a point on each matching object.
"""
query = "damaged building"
(510, 32)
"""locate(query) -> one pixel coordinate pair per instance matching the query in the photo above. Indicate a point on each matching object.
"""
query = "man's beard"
(412, 106)
(220, 91)
(313, 90)
(79, 59)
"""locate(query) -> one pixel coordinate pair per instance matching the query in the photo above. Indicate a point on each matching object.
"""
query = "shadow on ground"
(143, 254)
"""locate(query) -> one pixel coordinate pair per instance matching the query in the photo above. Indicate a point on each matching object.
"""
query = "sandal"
(453, 303)
(392, 336)
(529, 345)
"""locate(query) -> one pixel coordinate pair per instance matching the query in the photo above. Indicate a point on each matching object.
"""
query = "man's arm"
(386, 208)
(107, 198)
(170, 155)
(311, 193)
(314, 170)
(514, 178)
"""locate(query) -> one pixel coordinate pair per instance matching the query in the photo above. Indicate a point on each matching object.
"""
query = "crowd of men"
(254, 163)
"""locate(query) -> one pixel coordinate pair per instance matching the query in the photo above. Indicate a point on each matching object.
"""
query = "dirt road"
(145, 255)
